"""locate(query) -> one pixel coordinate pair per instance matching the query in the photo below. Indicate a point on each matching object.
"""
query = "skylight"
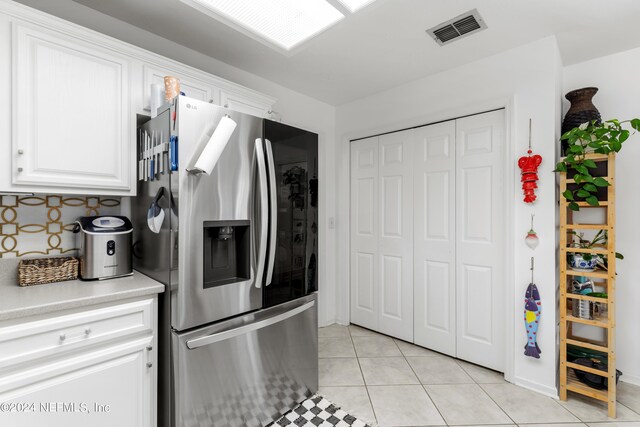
(355, 5)
(281, 23)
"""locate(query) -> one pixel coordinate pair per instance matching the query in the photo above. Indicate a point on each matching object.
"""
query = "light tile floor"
(393, 383)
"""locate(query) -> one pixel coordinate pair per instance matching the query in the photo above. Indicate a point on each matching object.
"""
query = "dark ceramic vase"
(582, 110)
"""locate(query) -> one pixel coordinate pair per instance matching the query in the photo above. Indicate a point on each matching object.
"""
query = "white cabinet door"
(105, 388)
(193, 86)
(381, 230)
(73, 131)
(434, 237)
(480, 141)
(396, 234)
(365, 269)
(244, 103)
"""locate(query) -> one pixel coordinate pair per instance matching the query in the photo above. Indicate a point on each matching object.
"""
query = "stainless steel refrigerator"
(237, 250)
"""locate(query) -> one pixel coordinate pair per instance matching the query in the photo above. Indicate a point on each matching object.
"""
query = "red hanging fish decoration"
(529, 166)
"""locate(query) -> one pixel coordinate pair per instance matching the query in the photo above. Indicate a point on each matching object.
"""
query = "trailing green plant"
(600, 239)
(591, 137)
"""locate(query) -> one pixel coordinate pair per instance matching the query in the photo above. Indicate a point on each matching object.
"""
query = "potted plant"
(591, 137)
(589, 262)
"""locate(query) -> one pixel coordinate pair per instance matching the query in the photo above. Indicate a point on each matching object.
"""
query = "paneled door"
(434, 241)
(396, 234)
(480, 208)
(365, 269)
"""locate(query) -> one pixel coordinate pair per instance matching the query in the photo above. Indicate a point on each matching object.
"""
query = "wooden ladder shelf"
(601, 278)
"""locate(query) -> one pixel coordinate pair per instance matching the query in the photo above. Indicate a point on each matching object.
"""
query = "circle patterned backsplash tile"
(42, 225)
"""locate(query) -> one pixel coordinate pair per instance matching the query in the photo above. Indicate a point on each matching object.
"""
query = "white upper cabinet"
(191, 85)
(245, 103)
(75, 96)
(72, 122)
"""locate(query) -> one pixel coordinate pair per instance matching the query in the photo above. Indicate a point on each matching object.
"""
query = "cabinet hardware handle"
(149, 364)
(149, 348)
(63, 337)
(20, 151)
(211, 101)
(87, 331)
(19, 169)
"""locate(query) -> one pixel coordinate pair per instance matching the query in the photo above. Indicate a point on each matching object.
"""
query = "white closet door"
(365, 268)
(479, 252)
(396, 235)
(434, 237)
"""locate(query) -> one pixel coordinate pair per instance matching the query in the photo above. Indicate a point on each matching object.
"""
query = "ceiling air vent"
(457, 28)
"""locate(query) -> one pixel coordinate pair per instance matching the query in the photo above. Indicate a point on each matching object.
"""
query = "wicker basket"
(47, 270)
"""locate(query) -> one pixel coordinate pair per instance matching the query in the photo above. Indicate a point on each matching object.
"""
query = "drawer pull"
(149, 348)
(63, 337)
(87, 331)
(149, 364)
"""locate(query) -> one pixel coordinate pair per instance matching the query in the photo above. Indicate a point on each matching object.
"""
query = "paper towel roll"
(157, 98)
(214, 148)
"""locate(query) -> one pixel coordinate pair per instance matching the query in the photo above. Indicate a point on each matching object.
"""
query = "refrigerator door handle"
(264, 212)
(243, 330)
(273, 203)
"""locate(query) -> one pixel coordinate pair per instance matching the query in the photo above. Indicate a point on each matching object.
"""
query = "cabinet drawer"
(31, 340)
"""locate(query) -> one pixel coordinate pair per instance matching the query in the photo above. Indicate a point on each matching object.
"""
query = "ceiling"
(385, 44)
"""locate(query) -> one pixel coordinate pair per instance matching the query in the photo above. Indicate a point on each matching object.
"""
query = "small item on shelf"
(532, 311)
(157, 98)
(171, 87)
(39, 271)
(529, 166)
(532, 238)
(582, 309)
(600, 308)
(593, 380)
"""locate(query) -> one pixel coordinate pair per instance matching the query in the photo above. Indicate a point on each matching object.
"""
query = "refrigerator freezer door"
(232, 192)
(292, 260)
(247, 371)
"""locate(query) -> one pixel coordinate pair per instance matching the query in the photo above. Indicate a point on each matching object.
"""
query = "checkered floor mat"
(318, 412)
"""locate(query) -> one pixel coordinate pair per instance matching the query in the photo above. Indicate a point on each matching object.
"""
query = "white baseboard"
(630, 379)
(537, 387)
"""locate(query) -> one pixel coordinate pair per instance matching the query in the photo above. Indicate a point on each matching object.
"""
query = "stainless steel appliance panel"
(247, 371)
(152, 251)
(236, 190)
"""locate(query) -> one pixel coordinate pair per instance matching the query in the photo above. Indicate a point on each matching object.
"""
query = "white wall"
(527, 81)
(617, 78)
(295, 108)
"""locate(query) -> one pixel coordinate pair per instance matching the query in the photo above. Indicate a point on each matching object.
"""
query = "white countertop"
(17, 301)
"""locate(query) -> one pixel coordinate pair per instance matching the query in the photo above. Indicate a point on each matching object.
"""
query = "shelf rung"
(586, 226)
(586, 251)
(587, 369)
(588, 345)
(604, 323)
(587, 205)
(598, 274)
(596, 157)
(574, 385)
(585, 298)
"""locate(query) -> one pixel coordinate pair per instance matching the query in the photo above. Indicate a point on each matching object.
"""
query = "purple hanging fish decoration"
(532, 310)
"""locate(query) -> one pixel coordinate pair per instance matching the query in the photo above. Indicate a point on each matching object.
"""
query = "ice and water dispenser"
(227, 252)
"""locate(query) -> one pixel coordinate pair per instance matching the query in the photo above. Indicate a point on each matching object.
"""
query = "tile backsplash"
(41, 225)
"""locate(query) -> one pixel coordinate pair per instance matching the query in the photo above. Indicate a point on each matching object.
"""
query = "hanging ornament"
(532, 312)
(532, 238)
(529, 165)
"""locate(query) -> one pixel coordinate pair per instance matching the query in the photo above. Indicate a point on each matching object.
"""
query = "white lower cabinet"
(96, 367)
